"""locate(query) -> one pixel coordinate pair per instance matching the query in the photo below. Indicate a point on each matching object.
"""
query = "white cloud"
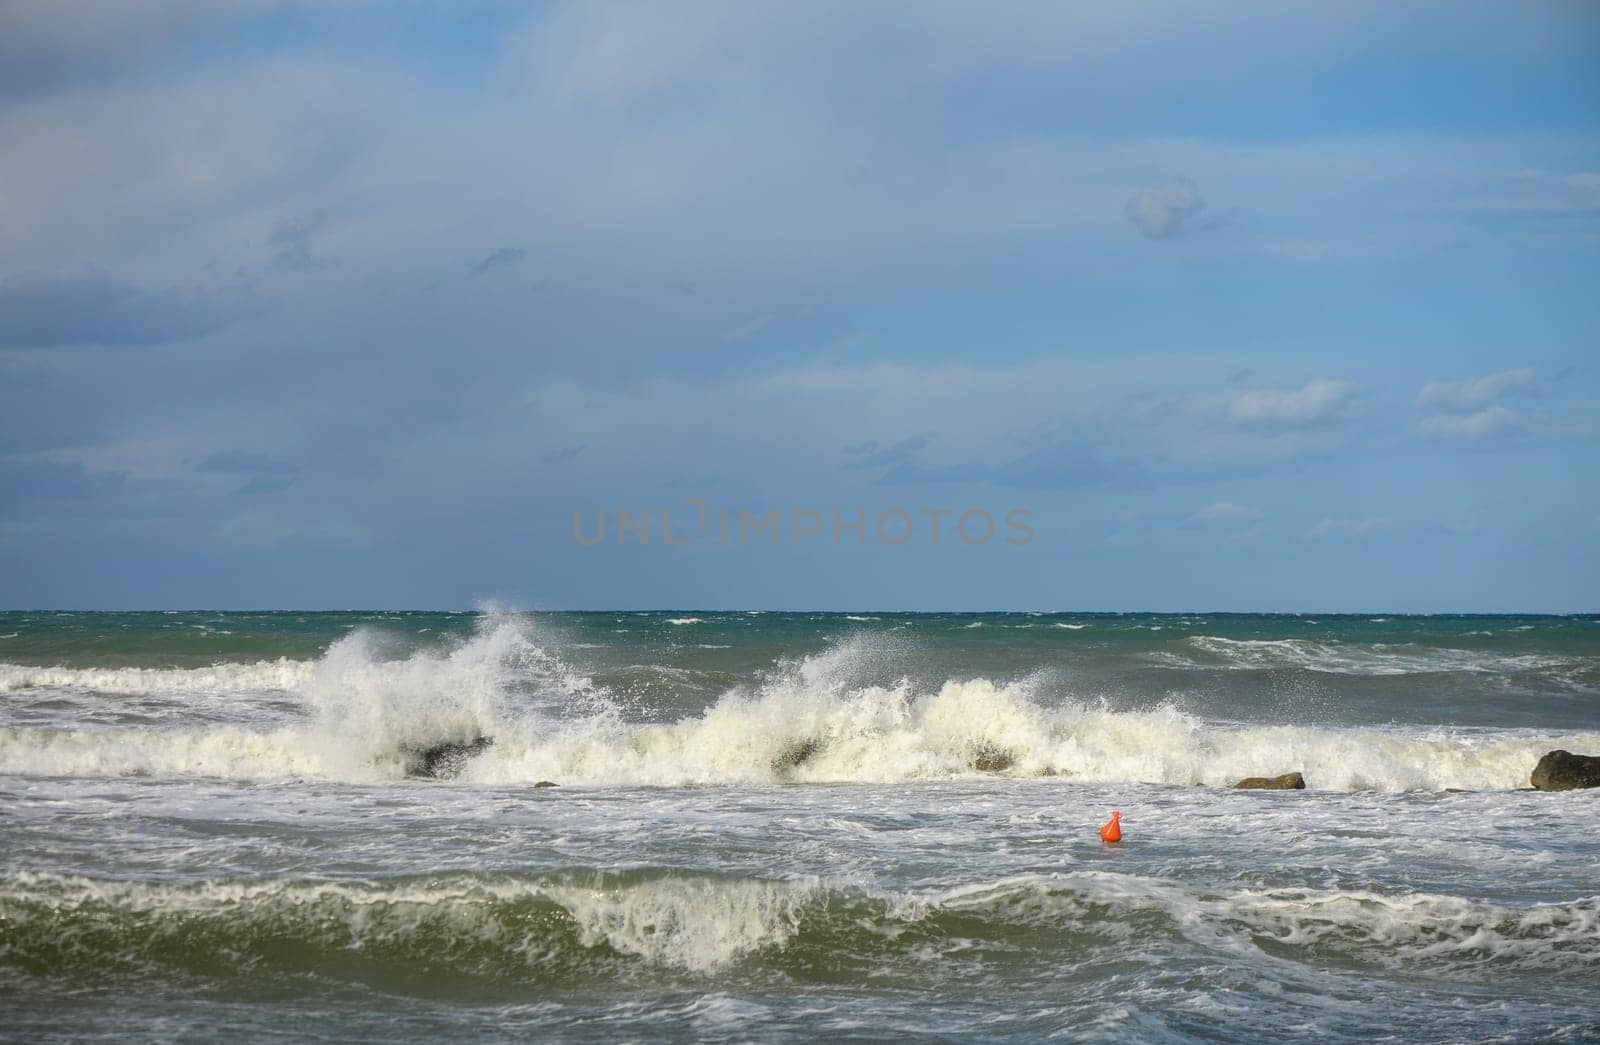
(1535, 193)
(1318, 402)
(254, 531)
(1492, 420)
(1471, 392)
(1350, 528)
(1225, 511)
(746, 331)
(1162, 213)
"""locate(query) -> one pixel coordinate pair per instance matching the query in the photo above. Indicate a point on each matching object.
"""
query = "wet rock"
(546, 783)
(443, 761)
(990, 758)
(796, 753)
(1286, 782)
(1564, 771)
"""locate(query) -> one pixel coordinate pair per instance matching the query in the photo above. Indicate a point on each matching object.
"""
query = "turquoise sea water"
(791, 825)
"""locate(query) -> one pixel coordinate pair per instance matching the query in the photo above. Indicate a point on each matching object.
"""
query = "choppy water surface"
(775, 825)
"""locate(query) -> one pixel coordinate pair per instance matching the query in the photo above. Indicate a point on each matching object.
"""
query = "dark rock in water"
(443, 761)
(1287, 782)
(1564, 771)
(796, 753)
(546, 783)
(991, 759)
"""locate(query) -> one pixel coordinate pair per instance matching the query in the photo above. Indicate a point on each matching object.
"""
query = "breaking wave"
(818, 719)
(531, 927)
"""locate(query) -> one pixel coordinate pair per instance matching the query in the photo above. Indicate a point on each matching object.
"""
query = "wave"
(264, 676)
(810, 721)
(522, 927)
(469, 923)
(1366, 925)
(1358, 659)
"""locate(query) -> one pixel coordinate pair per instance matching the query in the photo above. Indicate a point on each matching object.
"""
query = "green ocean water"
(773, 825)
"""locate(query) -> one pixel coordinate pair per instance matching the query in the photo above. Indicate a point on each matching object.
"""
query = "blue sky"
(1271, 306)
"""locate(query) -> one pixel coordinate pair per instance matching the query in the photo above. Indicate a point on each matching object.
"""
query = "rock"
(796, 753)
(991, 759)
(1287, 782)
(546, 783)
(1564, 771)
(445, 760)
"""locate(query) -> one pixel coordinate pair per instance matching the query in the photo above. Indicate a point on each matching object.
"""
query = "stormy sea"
(769, 826)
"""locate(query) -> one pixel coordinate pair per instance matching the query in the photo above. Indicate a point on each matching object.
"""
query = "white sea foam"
(362, 710)
(702, 922)
(889, 734)
(691, 922)
(1353, 658)
(1389, 928)
(695, 923)
(812, 721)
(686, 620)
(259, 677)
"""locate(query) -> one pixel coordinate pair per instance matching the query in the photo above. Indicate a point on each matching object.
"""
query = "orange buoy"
(1112, 832)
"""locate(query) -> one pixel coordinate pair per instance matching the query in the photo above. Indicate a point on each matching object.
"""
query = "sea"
(789, 826)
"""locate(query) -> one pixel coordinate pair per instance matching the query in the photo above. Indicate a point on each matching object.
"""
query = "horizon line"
(480, 611)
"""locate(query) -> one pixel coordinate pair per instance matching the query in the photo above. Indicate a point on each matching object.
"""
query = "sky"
(1258, 306)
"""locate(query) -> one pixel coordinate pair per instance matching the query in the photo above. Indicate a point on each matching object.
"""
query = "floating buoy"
(1112, 832)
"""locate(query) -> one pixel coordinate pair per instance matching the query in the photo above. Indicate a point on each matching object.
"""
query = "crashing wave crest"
(812, 720)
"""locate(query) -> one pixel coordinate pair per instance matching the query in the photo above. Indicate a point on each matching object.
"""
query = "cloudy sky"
(1284, 306)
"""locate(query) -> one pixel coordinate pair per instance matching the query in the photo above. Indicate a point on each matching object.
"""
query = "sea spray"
(366, 707)
(839, 715)
(878, 734)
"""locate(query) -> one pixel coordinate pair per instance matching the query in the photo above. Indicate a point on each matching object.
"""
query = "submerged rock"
(1564, 771)
(546, 783)
(992, 759)
(445, 760)
(1286, 782)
